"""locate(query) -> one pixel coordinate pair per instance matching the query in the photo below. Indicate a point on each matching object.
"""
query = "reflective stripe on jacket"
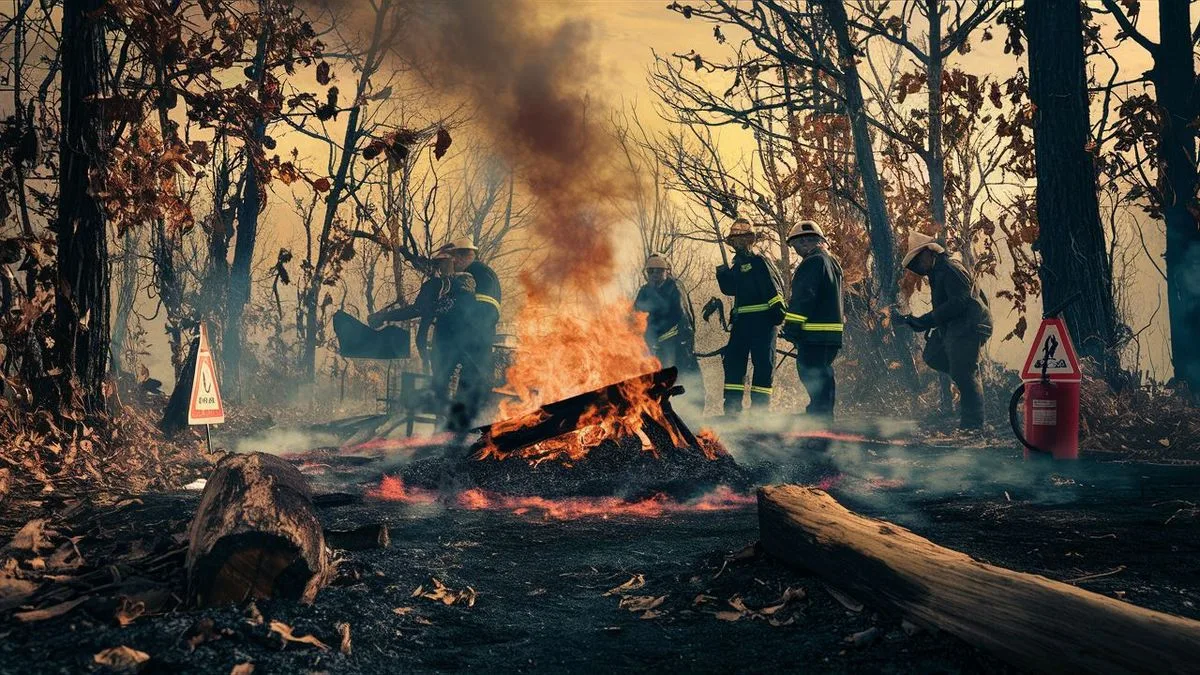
(814, 312)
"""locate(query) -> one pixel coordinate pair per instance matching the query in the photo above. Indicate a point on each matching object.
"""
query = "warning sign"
(204, 405)
(1052, 349)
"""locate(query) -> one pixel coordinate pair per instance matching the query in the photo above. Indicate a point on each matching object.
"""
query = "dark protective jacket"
(751, 281)
(664, 305)
(457, 312)
(959, 306)
(814, 311)
(423, 306)
(487, 294)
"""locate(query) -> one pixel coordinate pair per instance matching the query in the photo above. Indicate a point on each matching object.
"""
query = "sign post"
(1051, 378)
(205, 405)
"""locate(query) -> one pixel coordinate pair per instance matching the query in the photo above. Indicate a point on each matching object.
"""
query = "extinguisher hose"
(1013, 404)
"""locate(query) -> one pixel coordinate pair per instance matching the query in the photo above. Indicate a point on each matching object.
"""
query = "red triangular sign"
(1053, 347)
(204, 405)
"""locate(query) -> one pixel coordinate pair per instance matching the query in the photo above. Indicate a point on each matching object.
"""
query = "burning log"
(1025, 619)
(255, 534)
(620, 409)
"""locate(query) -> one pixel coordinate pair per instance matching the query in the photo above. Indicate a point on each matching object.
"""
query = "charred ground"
(694, 597)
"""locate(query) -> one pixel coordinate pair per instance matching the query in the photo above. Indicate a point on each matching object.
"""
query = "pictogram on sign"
(1052, 348)
(204, 405)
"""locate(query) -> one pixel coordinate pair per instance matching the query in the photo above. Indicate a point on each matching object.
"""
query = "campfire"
(567, 430)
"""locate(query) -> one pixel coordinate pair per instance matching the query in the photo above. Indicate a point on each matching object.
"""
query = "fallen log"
(255, 534)
(1028, 620)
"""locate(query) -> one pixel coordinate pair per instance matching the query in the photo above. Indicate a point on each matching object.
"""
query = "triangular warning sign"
(1052, 348)
(204, 405)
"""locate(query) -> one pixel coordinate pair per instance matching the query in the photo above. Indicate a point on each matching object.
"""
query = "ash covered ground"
(530, 593)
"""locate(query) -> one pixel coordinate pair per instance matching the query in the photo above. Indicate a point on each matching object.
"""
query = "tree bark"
(883, 243)
(1175, 85)
(1070, 235)
(249, 206)
(935, 158)
(1027, 620)
(255, 534)
(81, 300)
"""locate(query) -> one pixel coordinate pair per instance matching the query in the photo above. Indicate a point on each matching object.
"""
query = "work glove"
(920, 323)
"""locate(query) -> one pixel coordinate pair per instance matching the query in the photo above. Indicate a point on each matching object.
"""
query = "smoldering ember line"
(552, 336)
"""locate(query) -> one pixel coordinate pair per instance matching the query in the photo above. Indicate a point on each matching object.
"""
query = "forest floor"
(83, 574)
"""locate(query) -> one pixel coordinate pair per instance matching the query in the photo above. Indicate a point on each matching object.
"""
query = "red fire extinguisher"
(1050, 387)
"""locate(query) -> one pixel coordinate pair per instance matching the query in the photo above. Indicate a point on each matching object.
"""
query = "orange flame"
(564, 354)
(393, 489)
(720, 499)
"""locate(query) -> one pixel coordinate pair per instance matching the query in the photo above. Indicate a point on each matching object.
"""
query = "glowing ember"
(710, 444)
(383, 445)
(720, 499)
(393, 489)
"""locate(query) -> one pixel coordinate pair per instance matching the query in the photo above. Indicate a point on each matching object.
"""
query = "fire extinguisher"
(1051, 407)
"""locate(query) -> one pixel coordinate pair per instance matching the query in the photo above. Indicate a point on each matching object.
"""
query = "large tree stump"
(255, 534)
(1028, 620)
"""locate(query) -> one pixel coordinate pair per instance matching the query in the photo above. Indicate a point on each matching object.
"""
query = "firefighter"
(475, 345)
(813, 321)
(757, 312)
(669, 329)
(423, 307)
(957, 328)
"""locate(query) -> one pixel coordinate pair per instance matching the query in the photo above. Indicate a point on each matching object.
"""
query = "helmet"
(462, 244)
(806, 228)
(658, 261)
(918, 242)
(740, 227)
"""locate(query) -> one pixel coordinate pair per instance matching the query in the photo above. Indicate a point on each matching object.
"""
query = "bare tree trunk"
(935, 158)
(249, 206)
(81, 300)
(1175, 85)
(883, 243)
(1070, 236)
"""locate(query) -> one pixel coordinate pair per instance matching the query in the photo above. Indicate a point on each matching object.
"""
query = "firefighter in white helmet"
(813, 321)
(670, 328)
(475, 341)
(756, 315)
(957, 328)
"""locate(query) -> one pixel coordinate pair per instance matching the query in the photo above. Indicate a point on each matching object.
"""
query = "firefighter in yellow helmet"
(813, 321)
(756, 314)
(670, 329)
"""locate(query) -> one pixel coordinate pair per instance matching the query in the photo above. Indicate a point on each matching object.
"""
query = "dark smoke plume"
(529, 86)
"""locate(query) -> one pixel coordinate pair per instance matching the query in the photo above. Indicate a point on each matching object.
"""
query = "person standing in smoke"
(474, 345)
(423, 307)
(756, 314)
(958, 326)
(670, 324)
(813, 321)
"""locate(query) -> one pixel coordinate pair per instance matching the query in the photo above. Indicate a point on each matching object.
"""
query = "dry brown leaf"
(129, 611)
(204, 630)
(702, 598)
(344, 629)
(634, 583)
(31, 537)
(446, 595)
(285, 632)
(402, 611)
(14, 591)
(50, 612)
(253, 616)
(651, 614)
(122, 659)
(641, 603)
(728, 616)
(242, 669)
